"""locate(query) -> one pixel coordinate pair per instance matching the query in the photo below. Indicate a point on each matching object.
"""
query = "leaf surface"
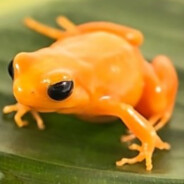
(71, 150)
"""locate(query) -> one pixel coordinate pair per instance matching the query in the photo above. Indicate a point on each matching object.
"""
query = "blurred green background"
(71, 150)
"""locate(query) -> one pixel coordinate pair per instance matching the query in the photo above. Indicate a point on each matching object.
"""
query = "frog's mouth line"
(46, 110)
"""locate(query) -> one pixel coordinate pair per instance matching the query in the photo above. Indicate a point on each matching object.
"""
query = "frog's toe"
(9, 108)
(39, 120)
(22, 124)
(140, 157)
(163, 145)
(127, 138)
(6, 110)
(41, 125)
(135, 147)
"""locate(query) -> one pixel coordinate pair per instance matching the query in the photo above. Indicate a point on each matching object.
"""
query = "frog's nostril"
(32, 92)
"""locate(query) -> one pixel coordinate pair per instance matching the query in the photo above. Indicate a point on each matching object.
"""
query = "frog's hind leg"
(43, 29)
(159, 93)
(133, 36)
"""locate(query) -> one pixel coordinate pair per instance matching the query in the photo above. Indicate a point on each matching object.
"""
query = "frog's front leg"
(141, 128)
(21, 111)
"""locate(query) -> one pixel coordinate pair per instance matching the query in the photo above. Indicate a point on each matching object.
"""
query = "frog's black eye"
(60, 90)
(10, 69)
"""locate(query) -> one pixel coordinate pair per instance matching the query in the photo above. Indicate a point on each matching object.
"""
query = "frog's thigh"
(169, 82)
(159, 92)
(153, 100)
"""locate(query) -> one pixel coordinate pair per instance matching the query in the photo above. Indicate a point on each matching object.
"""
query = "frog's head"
(47, 83)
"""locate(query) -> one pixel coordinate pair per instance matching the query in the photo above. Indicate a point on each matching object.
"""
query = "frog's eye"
(60, 90)
(10, 69)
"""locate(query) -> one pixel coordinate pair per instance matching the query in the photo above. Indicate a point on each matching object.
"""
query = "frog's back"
(116, 64)
(92, 46)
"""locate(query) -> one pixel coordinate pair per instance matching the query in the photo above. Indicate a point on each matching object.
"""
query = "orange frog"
(96, 69)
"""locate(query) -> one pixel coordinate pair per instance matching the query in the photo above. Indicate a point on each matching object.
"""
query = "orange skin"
(110, 76)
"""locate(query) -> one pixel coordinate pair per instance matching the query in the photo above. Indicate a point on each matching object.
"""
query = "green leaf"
(71, 150)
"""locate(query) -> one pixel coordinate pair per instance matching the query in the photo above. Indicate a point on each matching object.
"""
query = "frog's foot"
(43, 29)
(145, 152)
(21, 110)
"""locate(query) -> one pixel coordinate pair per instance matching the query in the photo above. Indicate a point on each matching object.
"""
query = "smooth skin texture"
(110, 77)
